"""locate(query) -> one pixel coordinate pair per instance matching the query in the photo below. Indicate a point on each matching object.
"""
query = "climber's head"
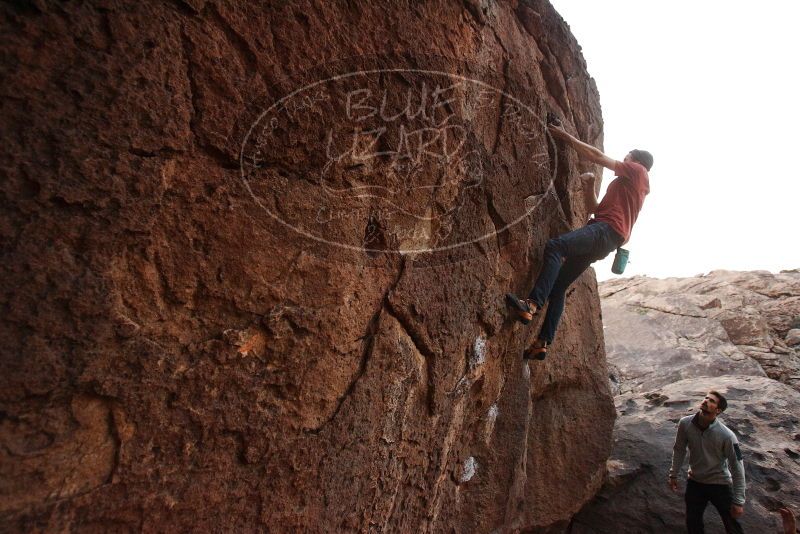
(641, 156)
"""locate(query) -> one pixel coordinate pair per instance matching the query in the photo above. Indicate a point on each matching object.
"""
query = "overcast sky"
(711, 90)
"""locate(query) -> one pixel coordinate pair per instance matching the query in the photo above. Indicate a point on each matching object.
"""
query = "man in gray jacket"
(715, 462)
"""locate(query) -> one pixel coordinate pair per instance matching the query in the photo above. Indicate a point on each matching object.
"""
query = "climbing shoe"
(521, 308)
(535, 353)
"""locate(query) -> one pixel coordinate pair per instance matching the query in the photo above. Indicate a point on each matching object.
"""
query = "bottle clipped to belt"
(620, 261)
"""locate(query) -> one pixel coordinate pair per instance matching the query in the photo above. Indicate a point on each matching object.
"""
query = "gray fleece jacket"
(714, 454)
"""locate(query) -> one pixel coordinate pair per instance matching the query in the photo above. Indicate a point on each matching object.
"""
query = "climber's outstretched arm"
(584, 150)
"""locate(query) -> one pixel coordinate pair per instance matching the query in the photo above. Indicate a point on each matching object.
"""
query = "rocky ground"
(668, 342)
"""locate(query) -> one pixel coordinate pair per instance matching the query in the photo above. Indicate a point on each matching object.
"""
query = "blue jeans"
(580, 247)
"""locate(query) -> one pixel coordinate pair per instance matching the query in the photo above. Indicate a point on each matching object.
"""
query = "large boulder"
(670, 341)
(254, 258)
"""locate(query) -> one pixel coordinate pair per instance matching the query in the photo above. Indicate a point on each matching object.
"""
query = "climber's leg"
(586, 241)
(570, 271)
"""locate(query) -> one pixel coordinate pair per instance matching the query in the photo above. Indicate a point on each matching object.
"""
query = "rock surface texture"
(253, 261)
(669, 341)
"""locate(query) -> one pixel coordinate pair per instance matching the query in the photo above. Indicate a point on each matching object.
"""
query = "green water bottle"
(620, 261)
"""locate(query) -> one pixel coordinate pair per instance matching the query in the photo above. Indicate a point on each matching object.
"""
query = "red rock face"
(217, 321)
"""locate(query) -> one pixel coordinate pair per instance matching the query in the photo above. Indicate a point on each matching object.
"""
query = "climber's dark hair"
(722, 402)
(644, 157)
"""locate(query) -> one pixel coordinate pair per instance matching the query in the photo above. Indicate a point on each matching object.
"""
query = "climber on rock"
(568, 255)
(715, 462)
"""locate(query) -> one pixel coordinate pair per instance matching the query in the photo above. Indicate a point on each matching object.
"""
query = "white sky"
(710, 88)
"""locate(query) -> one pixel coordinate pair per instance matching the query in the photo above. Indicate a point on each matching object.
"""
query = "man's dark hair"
(722, 402)
(644, 157)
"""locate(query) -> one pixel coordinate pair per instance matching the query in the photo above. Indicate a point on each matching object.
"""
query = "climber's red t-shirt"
(624, 198)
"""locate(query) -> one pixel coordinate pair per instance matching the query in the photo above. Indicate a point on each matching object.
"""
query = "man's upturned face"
(709, 405)
(628, 158)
